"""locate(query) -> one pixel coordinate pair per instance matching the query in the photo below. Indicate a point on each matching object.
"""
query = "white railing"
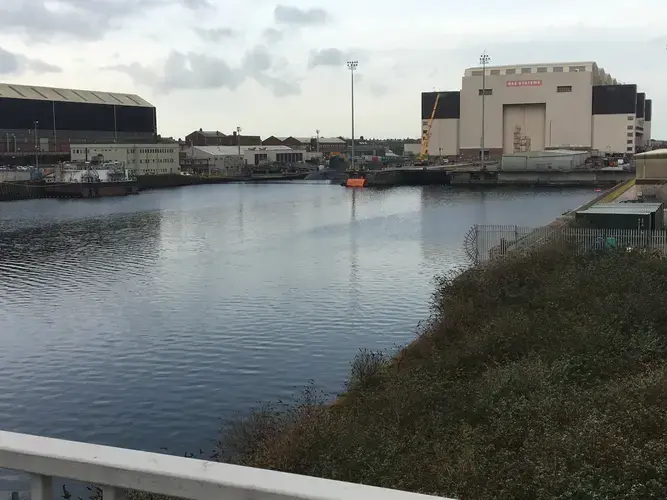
(117, 470)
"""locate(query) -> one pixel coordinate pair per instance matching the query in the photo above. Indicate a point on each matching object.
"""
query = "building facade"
(533, 107)
(47, 120)
(310, 144)
(226, 160)
(139, 159)
(216, 138)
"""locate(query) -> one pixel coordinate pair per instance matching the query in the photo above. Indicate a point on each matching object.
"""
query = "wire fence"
(489, 242)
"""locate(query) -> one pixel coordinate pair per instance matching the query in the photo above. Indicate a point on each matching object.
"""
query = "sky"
(280, 68)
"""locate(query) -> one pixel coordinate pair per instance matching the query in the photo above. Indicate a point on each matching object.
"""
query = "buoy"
(356, 182)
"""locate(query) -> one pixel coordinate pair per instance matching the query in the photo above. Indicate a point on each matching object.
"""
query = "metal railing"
(117, 470)
(488, 242)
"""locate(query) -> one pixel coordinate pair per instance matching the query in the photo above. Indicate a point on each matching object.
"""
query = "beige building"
(139, 159)
(532, 107)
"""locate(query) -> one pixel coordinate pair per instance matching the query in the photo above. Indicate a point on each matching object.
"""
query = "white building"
(224, 160)
(260, 155)
(532, 107)
(227, 161)
(139, 159)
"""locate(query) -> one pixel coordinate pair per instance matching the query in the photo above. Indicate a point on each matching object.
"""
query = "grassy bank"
(544, 377)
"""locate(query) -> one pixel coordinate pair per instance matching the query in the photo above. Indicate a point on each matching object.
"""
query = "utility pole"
(317, 144)
(352, 66)
(238, 139)
(484, 59)
(36, 123)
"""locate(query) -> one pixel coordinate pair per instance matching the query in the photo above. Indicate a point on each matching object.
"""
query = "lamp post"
(484, 59)
(238, 139)
(36, 123)
(317, 143)
(352, 66)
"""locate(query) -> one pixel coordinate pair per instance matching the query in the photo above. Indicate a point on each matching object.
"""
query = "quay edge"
(466, 175)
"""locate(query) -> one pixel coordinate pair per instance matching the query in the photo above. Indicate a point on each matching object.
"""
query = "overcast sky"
(279, 68)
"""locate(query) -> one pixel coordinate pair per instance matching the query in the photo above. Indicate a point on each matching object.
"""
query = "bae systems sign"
(525, 83)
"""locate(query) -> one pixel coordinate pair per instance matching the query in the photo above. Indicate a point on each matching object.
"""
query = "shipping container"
(644, 216)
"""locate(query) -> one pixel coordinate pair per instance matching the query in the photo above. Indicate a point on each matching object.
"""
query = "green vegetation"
(540, 377)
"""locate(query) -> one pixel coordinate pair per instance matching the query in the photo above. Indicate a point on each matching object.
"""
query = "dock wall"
(541, 178)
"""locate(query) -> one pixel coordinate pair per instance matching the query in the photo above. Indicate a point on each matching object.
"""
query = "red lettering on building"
(524, 83)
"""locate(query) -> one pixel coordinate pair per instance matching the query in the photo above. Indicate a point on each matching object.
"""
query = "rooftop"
(623, 208)
(653, 155)
(306, 140)
(234, 150)
(11, 91)
(532, 65)
(210, 133)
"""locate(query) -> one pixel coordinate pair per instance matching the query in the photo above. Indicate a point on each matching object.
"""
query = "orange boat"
(356, 182)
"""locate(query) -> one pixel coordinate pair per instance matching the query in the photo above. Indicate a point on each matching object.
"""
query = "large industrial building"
(532, 107)
(47, 120)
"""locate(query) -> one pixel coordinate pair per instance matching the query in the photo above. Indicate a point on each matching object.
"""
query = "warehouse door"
(524, 127)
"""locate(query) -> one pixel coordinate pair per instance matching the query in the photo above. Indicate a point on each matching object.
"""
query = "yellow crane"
(426, 136)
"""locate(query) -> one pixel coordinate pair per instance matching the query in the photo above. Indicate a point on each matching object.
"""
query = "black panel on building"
(84, 116)
(614, 99)
(648, 110)
(449, 105)
(641, 100)
(20, 114)
(135, 119)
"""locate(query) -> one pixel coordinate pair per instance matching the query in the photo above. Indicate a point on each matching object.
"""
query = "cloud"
(14, 64)
(215, 34)
(327, 57)
(272, 35)
(293, 16)
(192, 71)
(80, 19)
(259, 64)
(198, 4)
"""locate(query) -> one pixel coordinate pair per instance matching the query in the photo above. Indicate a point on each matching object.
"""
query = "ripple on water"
(143, 321)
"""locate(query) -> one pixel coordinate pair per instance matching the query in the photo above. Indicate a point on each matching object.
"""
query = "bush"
(543, 376)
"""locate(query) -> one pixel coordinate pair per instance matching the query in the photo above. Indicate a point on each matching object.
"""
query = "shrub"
(542, 376)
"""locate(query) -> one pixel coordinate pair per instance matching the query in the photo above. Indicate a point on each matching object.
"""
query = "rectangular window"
(478, 72)
(564, 88)
(542, 69)
(495, 72)
(575, 69)
(630, 134)
(630, 149)
(510, 71)
(485, 91)
(631, 117)
(630, 141)
(558, 69)
(526, 70)
(630, 127)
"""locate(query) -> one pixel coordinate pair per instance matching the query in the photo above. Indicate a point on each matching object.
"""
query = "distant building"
(216, 138)
(227, 161)
(223, 160)
(47, 120)
(412, 149)
(139, 159)
(326, 144)
(532, 107)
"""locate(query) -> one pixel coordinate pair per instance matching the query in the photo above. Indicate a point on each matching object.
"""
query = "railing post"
(41, 487)
(113, 493)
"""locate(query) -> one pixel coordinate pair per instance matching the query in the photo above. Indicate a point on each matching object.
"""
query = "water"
(143, 321)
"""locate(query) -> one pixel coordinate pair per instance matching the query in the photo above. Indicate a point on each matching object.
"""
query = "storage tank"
(652, 164)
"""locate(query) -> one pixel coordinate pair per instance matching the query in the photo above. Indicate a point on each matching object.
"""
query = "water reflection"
(142, 321)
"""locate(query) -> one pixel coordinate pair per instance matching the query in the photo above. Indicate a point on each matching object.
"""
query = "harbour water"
(146, 321)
